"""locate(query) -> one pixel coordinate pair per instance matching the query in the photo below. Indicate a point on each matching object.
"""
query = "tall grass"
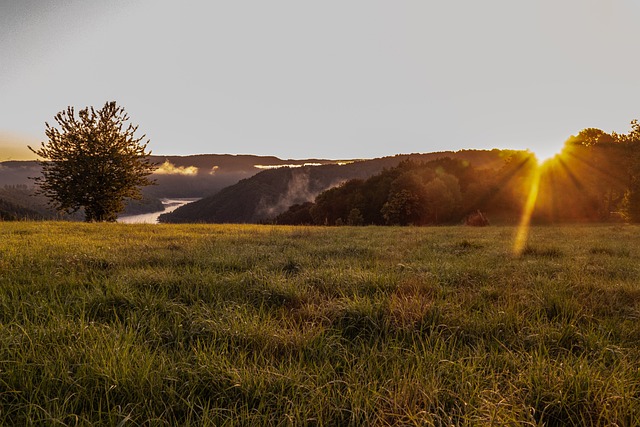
(257, 325)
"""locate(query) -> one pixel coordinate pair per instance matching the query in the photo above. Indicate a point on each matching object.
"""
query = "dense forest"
(595, 178)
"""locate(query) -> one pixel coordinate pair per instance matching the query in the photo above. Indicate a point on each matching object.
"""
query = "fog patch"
(298, 191)
(285, 166)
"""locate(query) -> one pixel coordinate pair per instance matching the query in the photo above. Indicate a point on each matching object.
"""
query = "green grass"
(257, 325)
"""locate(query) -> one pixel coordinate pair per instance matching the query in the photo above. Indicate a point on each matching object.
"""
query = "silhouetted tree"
(632, 197)
(591, 136)
(93, 161)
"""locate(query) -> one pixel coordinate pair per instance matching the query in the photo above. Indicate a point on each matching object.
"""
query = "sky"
(323, 79)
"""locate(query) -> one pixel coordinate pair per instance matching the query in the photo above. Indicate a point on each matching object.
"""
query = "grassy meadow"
(136, 325)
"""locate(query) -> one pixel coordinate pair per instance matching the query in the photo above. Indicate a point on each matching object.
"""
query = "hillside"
(19, 202)
(205, 174)
(11, 212)
(271, 192)
(176, 177)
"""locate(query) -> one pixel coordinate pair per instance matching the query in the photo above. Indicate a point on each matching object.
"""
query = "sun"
(544, 154)
(546, 151)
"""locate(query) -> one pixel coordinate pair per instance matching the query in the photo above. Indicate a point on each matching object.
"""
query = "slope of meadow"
(256, 325)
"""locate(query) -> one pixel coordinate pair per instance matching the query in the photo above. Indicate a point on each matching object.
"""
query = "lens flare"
(525, 221)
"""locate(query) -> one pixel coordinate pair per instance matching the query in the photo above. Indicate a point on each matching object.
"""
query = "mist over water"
(170, 205)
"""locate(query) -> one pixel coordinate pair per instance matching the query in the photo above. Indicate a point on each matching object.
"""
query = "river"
(170, 205)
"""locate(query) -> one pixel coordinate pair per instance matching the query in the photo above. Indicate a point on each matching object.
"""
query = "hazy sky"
(330, 79)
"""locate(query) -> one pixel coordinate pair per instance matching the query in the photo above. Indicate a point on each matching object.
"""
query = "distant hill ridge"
(271, 192)
(225, 183)
(177, 174)
(197, 175)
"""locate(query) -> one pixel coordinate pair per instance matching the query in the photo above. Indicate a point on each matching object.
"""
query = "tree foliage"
(93, 161)
(632, 196)
(603, 171)
(403, 208)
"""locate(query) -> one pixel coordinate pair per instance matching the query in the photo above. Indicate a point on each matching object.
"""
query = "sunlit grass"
(257, 325)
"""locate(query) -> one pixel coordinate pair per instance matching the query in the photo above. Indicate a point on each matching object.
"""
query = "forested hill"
(595, 178)
(271, 192)
(10, 212)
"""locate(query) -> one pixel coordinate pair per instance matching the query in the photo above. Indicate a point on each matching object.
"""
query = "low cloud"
(285, 166)
(341, 163)
(168, 168)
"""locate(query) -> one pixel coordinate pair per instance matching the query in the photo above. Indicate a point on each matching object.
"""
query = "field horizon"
(140, 324)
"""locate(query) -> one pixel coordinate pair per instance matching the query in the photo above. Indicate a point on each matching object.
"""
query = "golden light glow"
(14, 147)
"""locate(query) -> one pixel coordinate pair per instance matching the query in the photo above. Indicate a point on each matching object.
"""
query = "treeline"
(595, 178)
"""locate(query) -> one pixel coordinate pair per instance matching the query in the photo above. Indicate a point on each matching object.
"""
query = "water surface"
(170, 205)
